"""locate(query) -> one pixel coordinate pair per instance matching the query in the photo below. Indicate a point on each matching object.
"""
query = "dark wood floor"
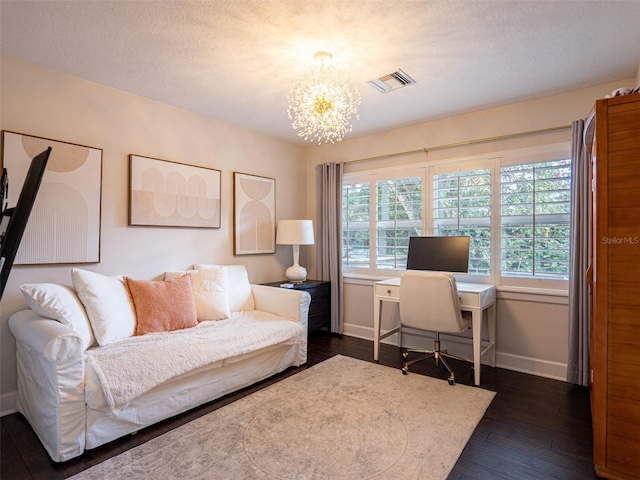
(535, 428)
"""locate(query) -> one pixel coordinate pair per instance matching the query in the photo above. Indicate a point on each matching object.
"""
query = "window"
(398, 217)
(515, 208)
(379, 213)
(355, 225)
(462, 206)
(535, 206)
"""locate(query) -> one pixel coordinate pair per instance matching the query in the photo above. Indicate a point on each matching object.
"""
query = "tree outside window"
(535, 205)
(529, 212)
(462, 206)
(355, 225)
(398, 217)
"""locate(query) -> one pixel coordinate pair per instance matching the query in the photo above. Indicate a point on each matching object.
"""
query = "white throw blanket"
(128, 368)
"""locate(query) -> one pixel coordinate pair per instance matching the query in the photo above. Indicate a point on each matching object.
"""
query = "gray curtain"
(580, 228)
(329, 228)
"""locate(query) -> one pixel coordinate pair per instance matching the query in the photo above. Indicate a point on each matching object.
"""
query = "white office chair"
(429, 301)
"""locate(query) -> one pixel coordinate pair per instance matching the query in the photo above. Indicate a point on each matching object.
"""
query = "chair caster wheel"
(405, 355)
(451, 381)
(405, 371)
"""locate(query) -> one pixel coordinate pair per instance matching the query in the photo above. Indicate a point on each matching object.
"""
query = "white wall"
(41, 102)
(531, 329)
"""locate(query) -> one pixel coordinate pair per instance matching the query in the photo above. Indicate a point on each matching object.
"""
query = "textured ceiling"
(234, 60)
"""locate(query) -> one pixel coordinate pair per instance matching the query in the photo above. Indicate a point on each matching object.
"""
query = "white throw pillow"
(210, 292)
(108, 305)
(240, 296)
(59, 302)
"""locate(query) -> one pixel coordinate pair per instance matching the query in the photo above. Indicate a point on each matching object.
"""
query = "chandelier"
(322, 102)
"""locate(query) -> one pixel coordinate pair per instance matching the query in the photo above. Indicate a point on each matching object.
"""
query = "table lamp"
(296, 233)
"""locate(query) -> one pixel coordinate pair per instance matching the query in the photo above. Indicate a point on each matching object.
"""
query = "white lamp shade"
(295, 232)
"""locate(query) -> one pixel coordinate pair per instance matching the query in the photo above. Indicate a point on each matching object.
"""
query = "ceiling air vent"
(393, 81)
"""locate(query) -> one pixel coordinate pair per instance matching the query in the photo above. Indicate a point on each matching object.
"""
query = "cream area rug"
(340, 419)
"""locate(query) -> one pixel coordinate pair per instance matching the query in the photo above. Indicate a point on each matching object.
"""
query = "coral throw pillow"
(163, 306)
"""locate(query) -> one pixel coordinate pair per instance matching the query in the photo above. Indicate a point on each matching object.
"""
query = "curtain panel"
(329, 225)
(580, 228)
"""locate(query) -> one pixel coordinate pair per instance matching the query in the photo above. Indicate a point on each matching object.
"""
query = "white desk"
(474, 298)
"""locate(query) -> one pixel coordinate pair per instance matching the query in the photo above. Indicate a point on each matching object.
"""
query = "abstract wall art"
(170, 194)
(254, 214)
(64, 225)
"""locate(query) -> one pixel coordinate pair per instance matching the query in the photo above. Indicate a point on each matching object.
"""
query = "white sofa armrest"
(291, 304)
(50, 364)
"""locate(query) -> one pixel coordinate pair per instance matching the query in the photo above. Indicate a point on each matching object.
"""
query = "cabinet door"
(623, 285)
(615, 320)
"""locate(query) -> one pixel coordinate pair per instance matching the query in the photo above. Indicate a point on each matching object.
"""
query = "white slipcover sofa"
(68, 358)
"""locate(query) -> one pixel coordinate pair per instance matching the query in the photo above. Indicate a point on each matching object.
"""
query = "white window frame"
(464, 166)
(352, 180)
(418, 224)
(539, 155)
(372, 177)
(427, 170)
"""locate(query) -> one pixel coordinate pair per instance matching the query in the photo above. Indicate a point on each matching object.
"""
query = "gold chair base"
(439, 356)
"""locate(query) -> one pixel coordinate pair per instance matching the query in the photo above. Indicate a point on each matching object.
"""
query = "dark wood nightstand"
(320, 307)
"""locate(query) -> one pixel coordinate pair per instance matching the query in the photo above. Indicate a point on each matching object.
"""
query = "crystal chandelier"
(322, 102)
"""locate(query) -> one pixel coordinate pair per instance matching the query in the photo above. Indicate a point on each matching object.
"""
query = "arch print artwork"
(169, 194)
(254, 214)
(64, 225)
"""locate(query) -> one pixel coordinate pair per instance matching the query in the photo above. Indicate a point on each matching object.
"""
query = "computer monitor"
(441, 254)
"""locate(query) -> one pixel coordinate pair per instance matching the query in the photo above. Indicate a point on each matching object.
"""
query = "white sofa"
(60, 381)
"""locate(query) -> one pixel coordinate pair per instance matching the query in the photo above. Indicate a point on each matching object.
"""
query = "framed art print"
(254, 214)
(64, 224)
(170, 194)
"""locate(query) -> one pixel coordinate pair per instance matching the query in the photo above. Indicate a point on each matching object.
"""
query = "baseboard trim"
(358, 331)
(8, 403)
(508, 361)
(533, 366)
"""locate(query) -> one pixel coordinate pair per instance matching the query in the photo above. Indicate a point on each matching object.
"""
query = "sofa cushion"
(210, 289)
(162, 306)
(240, 296)
(107, 304)
(59, 302)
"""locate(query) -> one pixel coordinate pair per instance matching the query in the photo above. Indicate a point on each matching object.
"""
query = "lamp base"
(296, 274)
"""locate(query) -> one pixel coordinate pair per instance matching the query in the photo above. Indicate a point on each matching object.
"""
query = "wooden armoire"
(613, 128)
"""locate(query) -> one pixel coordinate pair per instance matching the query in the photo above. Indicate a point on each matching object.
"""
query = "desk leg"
(476, 320)
(377, 313)
(491, 313)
